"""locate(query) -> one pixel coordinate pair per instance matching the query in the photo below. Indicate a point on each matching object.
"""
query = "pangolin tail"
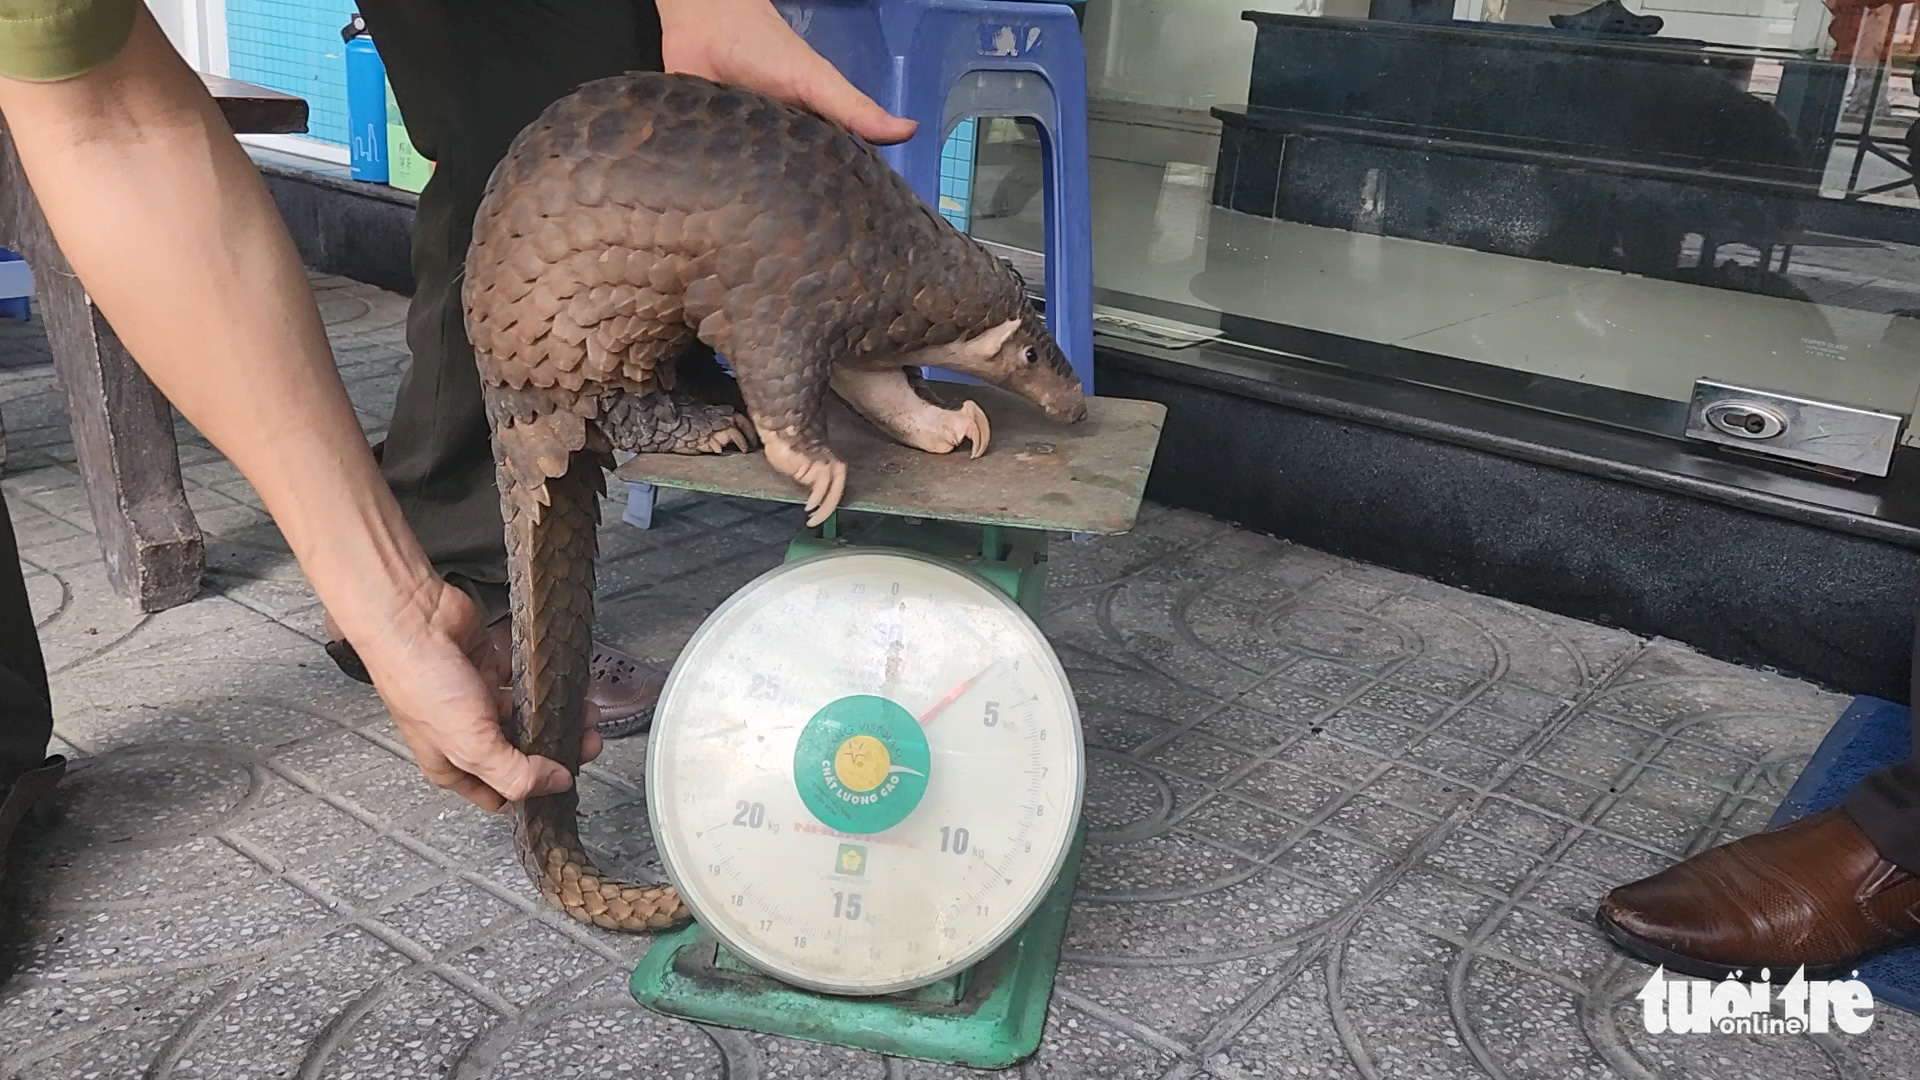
(551, 544)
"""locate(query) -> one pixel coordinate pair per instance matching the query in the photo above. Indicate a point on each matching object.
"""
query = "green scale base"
(991, 518)
(987, 1017)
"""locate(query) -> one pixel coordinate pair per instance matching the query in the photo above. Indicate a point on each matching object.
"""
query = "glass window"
(1588, 209)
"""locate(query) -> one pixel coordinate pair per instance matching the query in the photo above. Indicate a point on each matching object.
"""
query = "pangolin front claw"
(975, 428)
(825, 481)
(817, 469)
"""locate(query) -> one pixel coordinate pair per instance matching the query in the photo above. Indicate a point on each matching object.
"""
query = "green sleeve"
(49, 40)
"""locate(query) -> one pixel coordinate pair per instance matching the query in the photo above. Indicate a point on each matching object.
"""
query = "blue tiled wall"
(294, 46)
(956, 174)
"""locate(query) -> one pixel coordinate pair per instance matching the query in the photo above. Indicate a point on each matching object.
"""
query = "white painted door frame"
(198, 28)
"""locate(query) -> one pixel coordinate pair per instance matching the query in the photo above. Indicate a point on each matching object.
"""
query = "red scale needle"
(952, 695)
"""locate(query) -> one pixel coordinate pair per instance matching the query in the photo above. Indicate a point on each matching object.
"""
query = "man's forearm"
(166, 221)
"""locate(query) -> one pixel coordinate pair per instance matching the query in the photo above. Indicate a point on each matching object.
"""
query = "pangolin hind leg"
(658, 422)
(902, 406)
(550, 470)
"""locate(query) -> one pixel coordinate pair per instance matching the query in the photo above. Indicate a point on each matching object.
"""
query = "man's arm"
(170, 227)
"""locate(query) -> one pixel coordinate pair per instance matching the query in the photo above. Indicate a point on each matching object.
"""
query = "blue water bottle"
(366, 105)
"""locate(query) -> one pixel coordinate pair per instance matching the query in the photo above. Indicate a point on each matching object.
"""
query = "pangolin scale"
(646, 221)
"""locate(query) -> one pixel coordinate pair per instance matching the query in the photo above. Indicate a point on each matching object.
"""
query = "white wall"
(1194, 54)
(1178, 54)
(1759, 23)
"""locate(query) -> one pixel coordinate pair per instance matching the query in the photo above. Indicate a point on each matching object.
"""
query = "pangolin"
(638, 226)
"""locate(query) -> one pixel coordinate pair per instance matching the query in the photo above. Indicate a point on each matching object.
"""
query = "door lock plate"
(1796, 429)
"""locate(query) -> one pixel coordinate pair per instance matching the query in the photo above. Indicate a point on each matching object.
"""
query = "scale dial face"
(865, 771)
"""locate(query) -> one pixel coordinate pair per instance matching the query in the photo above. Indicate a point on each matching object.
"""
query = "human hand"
(446, 681)
(256, 376)
(746, 43)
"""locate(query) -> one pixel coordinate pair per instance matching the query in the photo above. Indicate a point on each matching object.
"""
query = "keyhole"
(1747, 421)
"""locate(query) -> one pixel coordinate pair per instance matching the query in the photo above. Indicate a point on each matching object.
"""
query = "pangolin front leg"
(783, 382)
(895, 403)
(550, 468)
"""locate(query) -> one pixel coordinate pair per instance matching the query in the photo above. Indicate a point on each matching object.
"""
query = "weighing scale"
(866, 770)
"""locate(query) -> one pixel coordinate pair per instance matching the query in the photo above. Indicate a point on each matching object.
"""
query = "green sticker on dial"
(861, 764)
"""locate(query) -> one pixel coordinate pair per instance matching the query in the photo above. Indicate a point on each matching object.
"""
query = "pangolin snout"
(1057, 393)
(1069, 413)
(1059, 396)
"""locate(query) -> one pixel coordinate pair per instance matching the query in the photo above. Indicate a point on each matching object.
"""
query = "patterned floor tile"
(1346, 823)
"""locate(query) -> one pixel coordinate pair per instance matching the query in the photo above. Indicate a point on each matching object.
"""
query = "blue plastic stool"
(940, 62)
(16, 287)
(959, 157)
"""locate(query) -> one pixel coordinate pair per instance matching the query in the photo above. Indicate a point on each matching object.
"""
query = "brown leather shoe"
(1814, 892)
(624, 689)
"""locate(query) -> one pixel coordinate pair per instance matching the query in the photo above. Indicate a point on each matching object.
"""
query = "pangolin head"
(1019, 355)
(1032, 365)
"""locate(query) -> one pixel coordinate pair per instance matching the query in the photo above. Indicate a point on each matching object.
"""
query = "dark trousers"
(1886, 805)
(468, 75)
(26, 710)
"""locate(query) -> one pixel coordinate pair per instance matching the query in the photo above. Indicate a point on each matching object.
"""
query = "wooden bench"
(123, 436)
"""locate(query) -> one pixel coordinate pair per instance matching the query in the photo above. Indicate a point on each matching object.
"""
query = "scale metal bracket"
(1013, 560)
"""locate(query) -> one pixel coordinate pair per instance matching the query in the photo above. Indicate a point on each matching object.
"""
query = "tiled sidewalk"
(1349, 823)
